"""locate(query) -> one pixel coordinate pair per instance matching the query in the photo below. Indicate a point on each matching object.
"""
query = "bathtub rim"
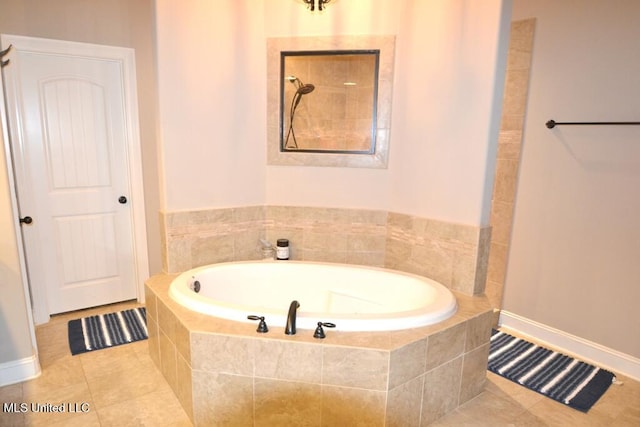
(190, 325)
(380, 322)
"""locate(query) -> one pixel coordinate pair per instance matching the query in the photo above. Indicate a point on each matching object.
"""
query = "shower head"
(301, 88)
(305, 89)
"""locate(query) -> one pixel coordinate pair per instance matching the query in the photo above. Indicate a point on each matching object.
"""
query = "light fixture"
(312, 5)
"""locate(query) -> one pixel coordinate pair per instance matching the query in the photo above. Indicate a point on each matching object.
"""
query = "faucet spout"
(290, 329)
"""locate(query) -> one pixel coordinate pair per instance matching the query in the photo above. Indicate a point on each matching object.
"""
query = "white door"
(71, 133)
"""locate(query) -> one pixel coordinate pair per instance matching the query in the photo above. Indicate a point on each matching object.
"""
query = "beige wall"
(212, 102)
(446, 103)
(573, 263)
(446, 111)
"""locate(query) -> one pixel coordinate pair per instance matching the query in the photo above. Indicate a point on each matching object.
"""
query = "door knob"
(26, 220)
(122, 200)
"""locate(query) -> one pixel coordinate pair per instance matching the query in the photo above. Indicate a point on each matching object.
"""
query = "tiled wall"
(194, 238)
(351, 236)
(453, 254)
(509, 144)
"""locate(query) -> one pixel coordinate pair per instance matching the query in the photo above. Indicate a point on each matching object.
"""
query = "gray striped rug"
(562, 378)
(107, 330)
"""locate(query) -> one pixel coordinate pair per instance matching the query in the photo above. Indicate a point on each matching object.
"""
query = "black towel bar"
(552, 123)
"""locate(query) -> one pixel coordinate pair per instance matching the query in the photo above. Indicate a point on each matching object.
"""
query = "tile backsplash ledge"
(454, 254)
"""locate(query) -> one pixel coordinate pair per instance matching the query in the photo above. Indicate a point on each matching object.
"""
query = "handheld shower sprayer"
(301, 89)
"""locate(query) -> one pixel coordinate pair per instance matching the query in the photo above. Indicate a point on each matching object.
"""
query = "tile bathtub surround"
(352, 236)
(223, 372)
(194, 238)
(456, 255)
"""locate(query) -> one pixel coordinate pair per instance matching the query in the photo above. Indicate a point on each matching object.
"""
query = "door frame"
(126, 58)
(23, 371)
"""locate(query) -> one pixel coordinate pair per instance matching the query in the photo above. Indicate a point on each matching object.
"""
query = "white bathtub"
(354, 298)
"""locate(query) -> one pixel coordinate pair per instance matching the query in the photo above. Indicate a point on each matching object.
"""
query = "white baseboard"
(589, 351)
(20, 370)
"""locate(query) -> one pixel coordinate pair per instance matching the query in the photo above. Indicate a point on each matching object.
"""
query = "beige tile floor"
(122, 387)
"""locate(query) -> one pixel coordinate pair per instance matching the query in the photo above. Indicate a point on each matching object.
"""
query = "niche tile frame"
(379, 159)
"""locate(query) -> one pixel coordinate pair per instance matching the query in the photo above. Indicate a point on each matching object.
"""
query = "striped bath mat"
(562, 378)
(107, 330)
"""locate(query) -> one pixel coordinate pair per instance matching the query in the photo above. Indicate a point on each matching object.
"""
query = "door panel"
(70, 151)
(76, 134)
(90, 239)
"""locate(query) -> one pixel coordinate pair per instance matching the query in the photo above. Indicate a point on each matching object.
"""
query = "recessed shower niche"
(329, 100)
